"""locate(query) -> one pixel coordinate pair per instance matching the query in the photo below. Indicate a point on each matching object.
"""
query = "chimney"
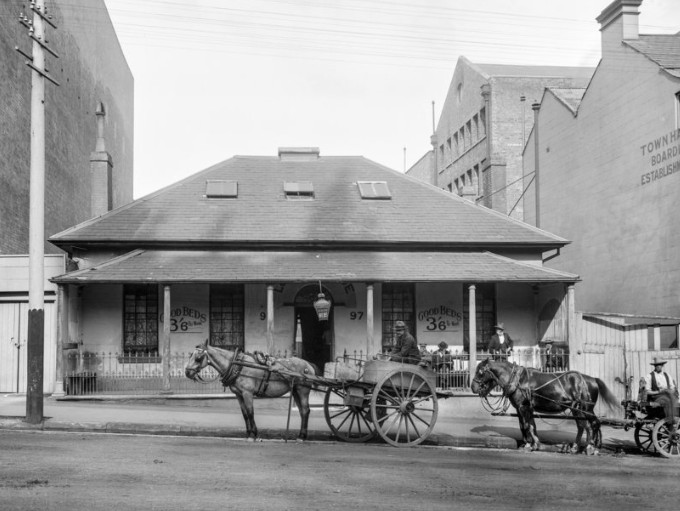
(101, 171)
(618, 21)
(298, 153)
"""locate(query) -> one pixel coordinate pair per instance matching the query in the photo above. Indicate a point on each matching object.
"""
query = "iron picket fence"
(87, 373)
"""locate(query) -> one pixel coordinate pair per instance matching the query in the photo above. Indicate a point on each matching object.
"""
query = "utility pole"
(35, 351)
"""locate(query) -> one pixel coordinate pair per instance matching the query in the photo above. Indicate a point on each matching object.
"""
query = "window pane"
(226, 316)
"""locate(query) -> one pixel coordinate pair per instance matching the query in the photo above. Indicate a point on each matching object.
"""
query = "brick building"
(482, 128)
(84, 40)
(88, 155)
(237, 254)
(607, 167)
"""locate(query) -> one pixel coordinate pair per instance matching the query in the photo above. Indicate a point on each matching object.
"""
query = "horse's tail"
(607, 395)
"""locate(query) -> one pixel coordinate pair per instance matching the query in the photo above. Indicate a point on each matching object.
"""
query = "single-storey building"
(239, 253)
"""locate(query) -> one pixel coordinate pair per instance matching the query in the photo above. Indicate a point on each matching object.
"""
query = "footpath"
(462, 420)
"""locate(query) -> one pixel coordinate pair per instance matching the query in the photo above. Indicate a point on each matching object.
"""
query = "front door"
(317, 337)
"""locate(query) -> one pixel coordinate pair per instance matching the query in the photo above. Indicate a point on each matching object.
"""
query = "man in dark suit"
(501, 343)
(406, 349)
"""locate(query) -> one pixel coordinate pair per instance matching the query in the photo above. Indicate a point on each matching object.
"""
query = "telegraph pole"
(36, 245)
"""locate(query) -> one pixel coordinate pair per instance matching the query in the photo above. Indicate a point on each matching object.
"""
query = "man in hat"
(661, 388)
(406, 349)
(501, 343)
(442, 364)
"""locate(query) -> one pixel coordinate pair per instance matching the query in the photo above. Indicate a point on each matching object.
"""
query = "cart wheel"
(643, 437)
(404, 408)
(350, 423)
(667, 443)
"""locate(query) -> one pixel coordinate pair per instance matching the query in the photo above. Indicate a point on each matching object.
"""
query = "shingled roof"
(664, 49)
(417, 214)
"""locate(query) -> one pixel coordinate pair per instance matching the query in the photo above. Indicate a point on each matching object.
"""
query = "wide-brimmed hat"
(548, 341)
(499, 326)
(658, 361)
(443, 345)
(399, 325)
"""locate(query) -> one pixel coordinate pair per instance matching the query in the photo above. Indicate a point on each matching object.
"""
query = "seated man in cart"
(406, 349)
(660, 388)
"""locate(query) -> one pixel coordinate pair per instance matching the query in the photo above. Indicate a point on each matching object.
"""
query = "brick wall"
(91, 68)
(593, 188)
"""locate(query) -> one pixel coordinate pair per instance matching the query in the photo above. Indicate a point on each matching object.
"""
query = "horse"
(530, 390)
(248, 377)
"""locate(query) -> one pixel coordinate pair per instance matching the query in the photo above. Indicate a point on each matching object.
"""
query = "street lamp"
(322, 306)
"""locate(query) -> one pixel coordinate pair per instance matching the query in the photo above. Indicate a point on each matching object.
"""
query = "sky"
(219, 78)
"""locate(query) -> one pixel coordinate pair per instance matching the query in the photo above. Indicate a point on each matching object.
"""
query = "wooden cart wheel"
(643, 437)
(404, 408)
(667, 443)
(350, 423)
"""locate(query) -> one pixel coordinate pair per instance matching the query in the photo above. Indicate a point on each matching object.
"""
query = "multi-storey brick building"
(91, 69)
(481, 132)
(607, 171)
(88, 154)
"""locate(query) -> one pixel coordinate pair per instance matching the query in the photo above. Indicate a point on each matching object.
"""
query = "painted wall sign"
(186, 319)
(439, 318)
(663, 154)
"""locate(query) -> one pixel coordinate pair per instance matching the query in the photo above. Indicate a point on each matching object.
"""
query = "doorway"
(314, 338)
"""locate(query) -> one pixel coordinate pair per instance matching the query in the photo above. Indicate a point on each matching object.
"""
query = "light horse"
(530, 390)
(248, 378)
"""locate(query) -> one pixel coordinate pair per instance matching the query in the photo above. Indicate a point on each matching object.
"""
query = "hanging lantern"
(322, 306)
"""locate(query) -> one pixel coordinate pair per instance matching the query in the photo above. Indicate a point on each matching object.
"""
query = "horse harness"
(229, 376)
(513, 386)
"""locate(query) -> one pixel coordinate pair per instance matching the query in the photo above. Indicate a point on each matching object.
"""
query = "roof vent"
(298, 153)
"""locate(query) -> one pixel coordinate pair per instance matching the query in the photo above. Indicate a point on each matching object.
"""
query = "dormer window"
(220, 189)
(376, 190)
(301, 190)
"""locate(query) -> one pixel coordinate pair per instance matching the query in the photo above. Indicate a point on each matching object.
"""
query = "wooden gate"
(13, 333)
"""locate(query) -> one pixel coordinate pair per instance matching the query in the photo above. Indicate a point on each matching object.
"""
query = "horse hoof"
(591, 451)
(527, 448)
(573, 449)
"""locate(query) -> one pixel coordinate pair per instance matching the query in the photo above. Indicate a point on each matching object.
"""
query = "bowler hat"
(400, 325)
(500, 326)
(658, 361)
(443, 345)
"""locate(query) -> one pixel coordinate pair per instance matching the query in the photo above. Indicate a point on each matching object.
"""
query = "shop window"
(398, 303)
(140, 319)
(485, 313)
(227, 316)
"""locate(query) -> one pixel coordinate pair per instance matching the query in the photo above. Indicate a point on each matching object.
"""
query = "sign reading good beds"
(185, 319)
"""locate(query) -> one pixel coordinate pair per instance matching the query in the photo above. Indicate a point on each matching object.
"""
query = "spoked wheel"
(404, 408)
(348, 422)
(643, 437)
(666, 441)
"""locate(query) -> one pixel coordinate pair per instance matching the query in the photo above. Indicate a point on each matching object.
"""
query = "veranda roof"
(187, 266)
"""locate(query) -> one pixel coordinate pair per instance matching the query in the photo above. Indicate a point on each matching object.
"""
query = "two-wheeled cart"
(366, 398)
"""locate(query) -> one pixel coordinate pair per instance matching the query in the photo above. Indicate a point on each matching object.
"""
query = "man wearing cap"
(500, 343)
(406, 349)
(661, 388)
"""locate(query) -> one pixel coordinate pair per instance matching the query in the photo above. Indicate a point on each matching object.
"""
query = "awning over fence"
(299, 266)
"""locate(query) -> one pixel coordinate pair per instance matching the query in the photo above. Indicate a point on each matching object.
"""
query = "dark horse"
(530, 390)
(248, 378)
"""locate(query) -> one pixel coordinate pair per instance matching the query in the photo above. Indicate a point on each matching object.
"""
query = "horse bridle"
(509, 388)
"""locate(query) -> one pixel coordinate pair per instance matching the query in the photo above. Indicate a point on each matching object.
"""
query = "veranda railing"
(142, 373)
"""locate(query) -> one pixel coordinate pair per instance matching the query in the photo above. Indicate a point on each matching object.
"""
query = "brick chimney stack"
(101, 170)
(618, 21)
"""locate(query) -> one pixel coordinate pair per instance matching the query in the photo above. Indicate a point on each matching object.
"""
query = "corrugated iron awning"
(300, 266)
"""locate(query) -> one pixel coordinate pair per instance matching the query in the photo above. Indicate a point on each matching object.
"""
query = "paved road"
(87, 471)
